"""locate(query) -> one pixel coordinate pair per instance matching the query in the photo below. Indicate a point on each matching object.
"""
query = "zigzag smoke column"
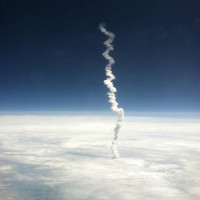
(112, 89)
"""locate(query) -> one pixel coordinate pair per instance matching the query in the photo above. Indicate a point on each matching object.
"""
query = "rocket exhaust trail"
(108, 82)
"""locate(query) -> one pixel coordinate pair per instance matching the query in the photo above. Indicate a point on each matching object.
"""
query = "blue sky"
(51, 55)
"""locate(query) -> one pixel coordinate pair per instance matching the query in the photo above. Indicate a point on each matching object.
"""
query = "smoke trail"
(112, 89)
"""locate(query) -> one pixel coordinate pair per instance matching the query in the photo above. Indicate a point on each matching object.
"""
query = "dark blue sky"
(51, 54)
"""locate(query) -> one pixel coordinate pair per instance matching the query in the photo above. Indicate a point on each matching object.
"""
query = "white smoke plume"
(108, 82)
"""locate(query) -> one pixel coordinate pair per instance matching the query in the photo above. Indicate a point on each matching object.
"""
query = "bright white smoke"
(112, 89)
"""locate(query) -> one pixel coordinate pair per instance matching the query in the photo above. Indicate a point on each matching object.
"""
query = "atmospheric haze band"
(111, 94)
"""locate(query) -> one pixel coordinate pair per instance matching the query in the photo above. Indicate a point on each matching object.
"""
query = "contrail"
(108, 82)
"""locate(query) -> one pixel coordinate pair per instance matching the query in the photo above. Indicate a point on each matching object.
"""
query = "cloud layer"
(68, 157)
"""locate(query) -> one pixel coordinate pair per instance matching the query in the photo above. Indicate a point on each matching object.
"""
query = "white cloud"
(68, 157)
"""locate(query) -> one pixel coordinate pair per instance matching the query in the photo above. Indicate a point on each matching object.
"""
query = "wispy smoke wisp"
(108, 82)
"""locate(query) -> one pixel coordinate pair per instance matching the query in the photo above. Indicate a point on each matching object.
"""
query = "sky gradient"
(51, 55)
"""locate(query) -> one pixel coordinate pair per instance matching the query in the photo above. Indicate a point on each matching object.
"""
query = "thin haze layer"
(110, 86)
